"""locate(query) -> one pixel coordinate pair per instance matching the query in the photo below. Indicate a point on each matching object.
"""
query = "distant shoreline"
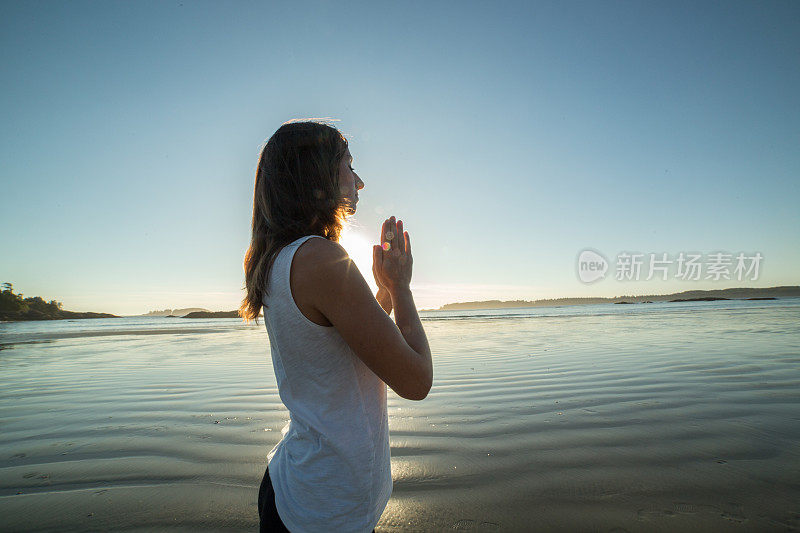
(62, 315)
(740, 293)
(213, 314)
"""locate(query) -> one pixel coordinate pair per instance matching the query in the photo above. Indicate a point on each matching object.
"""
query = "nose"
(359, 183)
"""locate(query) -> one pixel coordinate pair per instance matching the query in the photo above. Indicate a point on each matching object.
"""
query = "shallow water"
(647, 417)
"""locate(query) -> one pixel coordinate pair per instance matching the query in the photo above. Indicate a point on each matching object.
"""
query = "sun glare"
(359, 248)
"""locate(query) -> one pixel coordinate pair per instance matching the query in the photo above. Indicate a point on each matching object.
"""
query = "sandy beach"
(666, 417)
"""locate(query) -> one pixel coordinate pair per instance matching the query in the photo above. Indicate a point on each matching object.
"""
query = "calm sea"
(645, 417)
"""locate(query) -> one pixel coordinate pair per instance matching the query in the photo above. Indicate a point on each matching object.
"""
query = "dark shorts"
(267, 512)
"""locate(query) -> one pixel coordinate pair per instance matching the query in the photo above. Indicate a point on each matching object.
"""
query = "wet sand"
(679, 419)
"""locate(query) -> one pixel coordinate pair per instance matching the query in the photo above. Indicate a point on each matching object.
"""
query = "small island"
(175, 313)
(213, 314)
(703, 299)
(14, 308)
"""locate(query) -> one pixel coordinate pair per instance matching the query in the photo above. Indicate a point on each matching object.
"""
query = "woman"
(334, 346)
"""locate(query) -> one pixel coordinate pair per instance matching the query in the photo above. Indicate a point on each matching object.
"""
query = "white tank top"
(332, 470)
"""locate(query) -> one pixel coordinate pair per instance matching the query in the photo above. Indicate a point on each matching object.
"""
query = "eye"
(351, 168)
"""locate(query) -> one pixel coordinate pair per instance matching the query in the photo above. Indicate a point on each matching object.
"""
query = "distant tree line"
(15, 307)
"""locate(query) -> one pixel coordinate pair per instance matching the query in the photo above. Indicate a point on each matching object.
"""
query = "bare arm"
(392, 266)
(343, 296)
(407, 319)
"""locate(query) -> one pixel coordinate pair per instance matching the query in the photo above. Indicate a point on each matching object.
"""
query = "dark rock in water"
(623, 302)
(176, 312)
(765, 298)
(213, 314)
(647, 302)
(705, 299)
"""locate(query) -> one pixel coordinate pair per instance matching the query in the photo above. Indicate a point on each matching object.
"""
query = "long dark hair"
(296, 194)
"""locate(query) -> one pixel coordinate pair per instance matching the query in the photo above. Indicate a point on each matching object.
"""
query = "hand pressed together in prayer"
(391, 262)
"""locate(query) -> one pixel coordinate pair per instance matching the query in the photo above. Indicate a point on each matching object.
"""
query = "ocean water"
(646, 417)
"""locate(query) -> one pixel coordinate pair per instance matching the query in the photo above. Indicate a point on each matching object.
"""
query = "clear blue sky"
(507, 136)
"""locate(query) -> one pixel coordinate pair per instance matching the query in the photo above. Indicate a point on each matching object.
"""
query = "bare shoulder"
(315, 267)
(322, 246)
(316, 256)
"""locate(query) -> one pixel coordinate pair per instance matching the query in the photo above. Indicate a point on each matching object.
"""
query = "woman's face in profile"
(349, 182)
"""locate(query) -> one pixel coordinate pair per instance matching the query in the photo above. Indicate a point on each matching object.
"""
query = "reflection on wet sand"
(624, 421)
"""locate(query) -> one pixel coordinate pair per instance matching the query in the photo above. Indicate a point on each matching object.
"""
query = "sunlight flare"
(359, 249)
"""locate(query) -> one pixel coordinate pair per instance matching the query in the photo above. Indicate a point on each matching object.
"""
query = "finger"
(395, 243)
(384, 229)
(384, 240)
(407, 243)
(377, 265)
(401, 245)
